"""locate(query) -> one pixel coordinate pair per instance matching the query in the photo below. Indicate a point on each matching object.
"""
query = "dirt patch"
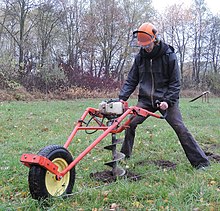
(213, 156)
(107, 176)
(212, 147)
(164, 164)
(104, 176)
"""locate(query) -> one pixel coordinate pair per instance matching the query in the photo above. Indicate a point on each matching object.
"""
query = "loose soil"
(213, 157)
(164, 164)
(108, 177)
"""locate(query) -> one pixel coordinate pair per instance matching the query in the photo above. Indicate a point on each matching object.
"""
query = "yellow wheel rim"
(57, 187)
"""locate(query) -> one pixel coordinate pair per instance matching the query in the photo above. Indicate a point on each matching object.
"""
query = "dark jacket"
(157, 74)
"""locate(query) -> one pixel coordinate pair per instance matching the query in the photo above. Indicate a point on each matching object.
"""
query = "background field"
(26, 127)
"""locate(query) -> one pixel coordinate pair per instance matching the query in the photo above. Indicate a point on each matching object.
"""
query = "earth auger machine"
(52, 169)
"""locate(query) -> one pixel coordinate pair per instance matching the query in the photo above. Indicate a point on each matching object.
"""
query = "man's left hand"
(163, 106)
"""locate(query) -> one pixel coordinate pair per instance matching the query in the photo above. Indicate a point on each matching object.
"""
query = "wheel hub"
(57, 187)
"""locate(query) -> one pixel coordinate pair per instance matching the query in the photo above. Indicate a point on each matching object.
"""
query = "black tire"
(42, 183)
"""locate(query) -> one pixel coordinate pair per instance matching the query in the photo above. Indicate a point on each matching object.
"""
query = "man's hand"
(163, 106)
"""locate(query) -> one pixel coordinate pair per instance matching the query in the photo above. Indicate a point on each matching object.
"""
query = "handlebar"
(143, 112)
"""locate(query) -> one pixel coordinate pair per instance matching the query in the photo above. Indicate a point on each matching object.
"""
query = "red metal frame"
(115, 127)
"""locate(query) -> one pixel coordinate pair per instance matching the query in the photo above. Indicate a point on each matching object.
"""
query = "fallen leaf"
(114, 206)
(150, 201)
(137, 204)
(45, 129)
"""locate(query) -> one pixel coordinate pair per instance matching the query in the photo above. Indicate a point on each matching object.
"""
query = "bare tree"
(48, 17)
(200, 26)
(177, 30)
(72, 27)
(106, 31)
(213, 43)
(134, 15)
(112, 23)
(18, 26)
(90, 39)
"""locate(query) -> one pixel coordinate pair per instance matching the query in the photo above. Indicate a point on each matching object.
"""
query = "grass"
(26, 127)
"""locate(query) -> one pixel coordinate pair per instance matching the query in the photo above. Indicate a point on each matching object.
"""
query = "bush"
(7, 72)
(213, 83)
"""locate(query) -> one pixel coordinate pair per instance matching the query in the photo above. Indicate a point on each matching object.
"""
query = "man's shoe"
(202, 166)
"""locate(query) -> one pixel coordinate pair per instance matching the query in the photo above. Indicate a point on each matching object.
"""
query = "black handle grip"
(157, 103)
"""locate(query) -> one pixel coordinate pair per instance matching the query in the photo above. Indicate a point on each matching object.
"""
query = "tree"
(18, 26)
(88, 41)
(111, 24)
(74, 33)
(213, 43)
(177, 30)
(48, 17)
(200, 26)
(134, 13)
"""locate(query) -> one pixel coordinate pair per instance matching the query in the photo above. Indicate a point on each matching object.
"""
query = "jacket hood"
(157, 51)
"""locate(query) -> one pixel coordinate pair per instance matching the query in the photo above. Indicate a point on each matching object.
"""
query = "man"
(155, 70)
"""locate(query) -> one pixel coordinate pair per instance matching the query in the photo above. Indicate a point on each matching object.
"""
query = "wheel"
(42, 183)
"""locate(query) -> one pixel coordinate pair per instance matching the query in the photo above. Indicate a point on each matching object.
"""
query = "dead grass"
(20, 94)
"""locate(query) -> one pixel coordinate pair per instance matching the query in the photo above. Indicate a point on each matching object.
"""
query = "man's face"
(149, 47)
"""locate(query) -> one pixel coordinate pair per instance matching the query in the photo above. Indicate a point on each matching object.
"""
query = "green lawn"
(26, 127)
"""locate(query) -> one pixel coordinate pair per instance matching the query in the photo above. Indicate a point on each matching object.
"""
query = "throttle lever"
(157, 103)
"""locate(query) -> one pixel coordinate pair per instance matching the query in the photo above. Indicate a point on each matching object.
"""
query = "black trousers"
(193, 152)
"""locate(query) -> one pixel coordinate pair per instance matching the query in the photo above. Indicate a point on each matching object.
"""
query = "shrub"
(213, 83)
